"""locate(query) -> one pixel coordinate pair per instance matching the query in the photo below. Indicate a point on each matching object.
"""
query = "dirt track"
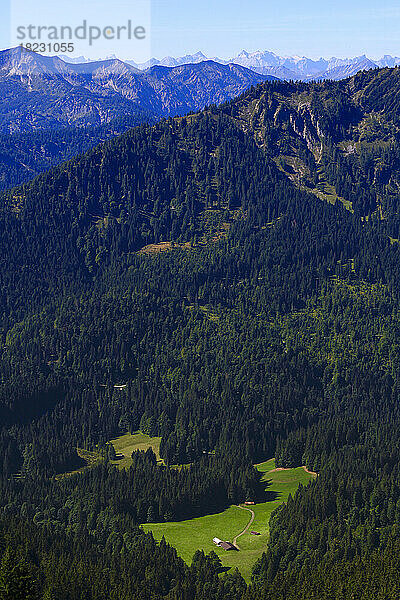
(247, 526)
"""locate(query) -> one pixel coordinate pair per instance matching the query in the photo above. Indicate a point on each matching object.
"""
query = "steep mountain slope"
(22, 63)
(207, 83)
(335, 141)
(25, 155)
(190, 179)
(98, 99)
(40, 92)
(269, 327)
(338, 141)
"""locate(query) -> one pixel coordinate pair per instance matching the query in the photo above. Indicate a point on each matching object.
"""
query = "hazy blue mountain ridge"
(79, 105)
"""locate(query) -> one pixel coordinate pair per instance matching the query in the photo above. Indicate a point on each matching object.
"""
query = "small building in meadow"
(224, 545)
(227, 546)
(217, 541)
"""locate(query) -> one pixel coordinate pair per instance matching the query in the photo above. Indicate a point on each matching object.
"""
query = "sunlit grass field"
(130, 442)
(188, 536)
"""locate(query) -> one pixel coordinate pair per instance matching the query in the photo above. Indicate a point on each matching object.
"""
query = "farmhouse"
(227, 546)
(255, 533)
(224, 545)
(217, 541)
(251, 502)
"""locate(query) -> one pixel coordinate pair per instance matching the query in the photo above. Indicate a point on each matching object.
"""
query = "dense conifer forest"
(269, 328)
(25, 155)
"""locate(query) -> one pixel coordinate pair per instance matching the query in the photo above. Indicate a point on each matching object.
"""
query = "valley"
(197, 534)
(224, 285)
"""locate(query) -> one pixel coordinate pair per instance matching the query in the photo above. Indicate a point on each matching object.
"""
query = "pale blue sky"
(222, 28)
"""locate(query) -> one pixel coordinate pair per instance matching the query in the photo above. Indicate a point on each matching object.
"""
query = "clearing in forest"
(124, 445)
(188, 536)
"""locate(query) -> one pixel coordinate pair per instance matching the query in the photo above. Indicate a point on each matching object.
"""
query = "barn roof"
(227, 546)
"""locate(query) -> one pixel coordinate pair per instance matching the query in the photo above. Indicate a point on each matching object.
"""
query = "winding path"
(247, 526)
(252, 511)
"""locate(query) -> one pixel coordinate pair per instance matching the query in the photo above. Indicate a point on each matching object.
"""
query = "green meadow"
(188, 536)
(130, 442)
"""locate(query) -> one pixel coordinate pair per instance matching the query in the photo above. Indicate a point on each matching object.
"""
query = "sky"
(223, 28)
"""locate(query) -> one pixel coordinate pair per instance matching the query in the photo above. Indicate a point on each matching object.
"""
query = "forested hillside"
(51, 110)
(337, 140)
(269, 327)
(24, 155)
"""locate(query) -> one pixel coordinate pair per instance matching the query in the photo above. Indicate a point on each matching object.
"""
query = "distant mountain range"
(298, 68)
(51, 110)
(39, 92)
(295, 67)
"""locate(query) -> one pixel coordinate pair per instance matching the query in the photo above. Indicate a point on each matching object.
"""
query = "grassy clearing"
(89, 460)
(125, 445)
(327, 192)
(188, 536)
(130, 442)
